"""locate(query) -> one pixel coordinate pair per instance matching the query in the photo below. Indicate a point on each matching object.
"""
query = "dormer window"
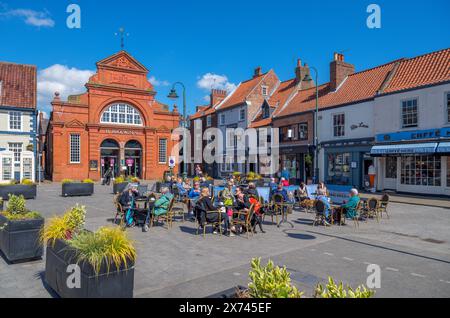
(266, 112)
(264, 90)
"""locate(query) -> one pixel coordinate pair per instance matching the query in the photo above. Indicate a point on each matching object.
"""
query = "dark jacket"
(125, 198)
(239, 205)
(253, 192)
(203, 205)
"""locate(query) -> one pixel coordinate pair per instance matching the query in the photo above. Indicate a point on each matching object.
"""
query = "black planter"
(229, 293)
(19, 240)
(28, 191)
(119, 187)
(77, 189)
(115, 284)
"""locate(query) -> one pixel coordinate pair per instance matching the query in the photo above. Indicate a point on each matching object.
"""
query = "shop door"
(133, 159)
(109, 157)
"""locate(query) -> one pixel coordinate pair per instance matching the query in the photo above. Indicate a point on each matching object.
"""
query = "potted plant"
(71, 188)
(120, 184)
(105, 258)
(27, 188)
(333, 290)
(19, 231)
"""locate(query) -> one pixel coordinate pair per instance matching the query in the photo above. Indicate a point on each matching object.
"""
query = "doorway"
(133, 159)
(109, 157)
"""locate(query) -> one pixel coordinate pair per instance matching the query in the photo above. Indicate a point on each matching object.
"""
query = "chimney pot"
(339, 70)
(258, 71)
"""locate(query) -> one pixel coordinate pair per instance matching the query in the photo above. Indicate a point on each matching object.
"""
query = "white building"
(412, 127)
(18, 121)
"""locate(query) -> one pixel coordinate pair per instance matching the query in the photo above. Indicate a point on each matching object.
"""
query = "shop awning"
(444, 147)
(404, 149)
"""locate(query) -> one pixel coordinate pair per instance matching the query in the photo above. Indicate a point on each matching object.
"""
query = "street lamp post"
(173, 95)
(316, 117)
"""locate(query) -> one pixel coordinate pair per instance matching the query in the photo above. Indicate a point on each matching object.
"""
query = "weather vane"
(122, 36)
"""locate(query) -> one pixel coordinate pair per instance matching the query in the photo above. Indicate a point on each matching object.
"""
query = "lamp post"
(316, 117)
(173, 95)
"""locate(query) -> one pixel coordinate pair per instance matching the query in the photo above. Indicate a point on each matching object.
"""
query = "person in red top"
(284, 182)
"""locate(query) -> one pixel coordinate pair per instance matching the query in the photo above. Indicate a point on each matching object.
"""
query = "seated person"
(193, 196)
(203, 182)
(327, 210)
(272, 184)
(242, 204)
(352, 204)
(322, 187)
(162, 204)
(204, 205)
(187, 185)
(285, 182)
(181, 189)
(251, 191)
(127, 201)
(302, 193)
(280, 190)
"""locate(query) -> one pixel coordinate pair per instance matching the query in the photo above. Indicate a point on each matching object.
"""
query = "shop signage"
(415, 135)
(130, 162)
(93, 165)
(121, 132)
(171, 162)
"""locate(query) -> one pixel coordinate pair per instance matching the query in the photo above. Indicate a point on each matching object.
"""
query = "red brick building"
(116, 123)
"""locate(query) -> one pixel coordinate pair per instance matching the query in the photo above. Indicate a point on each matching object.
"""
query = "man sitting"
(352, 204)
(181, 189)
(161, 205)
(203, 206)
(252, 190)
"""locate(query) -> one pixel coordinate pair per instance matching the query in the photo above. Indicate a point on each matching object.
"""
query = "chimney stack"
(217, 95)
(300, 73)
(339, 70)
(258, 72)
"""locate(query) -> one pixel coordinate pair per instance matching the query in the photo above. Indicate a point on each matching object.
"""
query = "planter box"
(119, 187)
(28, 191)
(115, 284)
(229, 293)
(77, 189)
(19, 240)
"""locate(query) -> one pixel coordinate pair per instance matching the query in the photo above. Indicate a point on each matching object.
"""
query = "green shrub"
(27, 182)
(331, 290)
(119, 179)
(17, 209)
(66, 181)
(270, 281)
(111, 245)
(64, 227)
(88, 181)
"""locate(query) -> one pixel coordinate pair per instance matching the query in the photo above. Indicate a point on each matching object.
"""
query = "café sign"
(415, 135)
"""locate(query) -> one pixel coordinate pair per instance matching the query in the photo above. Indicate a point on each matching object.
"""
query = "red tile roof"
(259, 122)
(428, 69)
(357, 87)
(242, 91)
(203, 111)
(18, 85)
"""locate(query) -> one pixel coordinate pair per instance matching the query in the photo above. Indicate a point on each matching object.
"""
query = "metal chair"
(246, 221)
(384, 204)
(119, 210)
(165, 218)
(320, 213)
(213, 224)
(277, 206)
(373, 209)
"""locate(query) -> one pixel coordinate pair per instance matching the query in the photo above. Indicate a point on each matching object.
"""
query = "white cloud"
(156, 82)
(60, 78)
(211, 80)
(31, 17)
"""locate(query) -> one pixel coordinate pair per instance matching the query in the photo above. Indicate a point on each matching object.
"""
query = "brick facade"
(119, 79)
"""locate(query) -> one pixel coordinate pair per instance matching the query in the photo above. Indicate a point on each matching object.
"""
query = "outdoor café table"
(339, 210)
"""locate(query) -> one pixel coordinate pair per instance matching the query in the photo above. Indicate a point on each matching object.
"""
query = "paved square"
(412, 248)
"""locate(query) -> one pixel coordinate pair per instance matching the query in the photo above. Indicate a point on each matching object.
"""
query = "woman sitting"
(203, 209)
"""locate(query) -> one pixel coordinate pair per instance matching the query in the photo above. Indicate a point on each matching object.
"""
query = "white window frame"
(265, 90)
(160, 150)
(14, 150)
(333, 125)
(121, 112)
(71, 149)
(208, 121)
(10, 114)
(417, 112)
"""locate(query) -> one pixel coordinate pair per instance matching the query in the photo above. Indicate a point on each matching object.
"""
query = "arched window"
(121, 114)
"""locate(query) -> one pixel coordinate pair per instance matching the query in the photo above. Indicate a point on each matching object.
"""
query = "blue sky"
(184, 40)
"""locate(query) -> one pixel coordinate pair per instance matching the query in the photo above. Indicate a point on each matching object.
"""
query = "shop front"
(414, 161)
(297, 161)
(348, 163)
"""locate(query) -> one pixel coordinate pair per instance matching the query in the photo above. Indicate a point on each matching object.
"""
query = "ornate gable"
(74, 124)
(122, 61)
